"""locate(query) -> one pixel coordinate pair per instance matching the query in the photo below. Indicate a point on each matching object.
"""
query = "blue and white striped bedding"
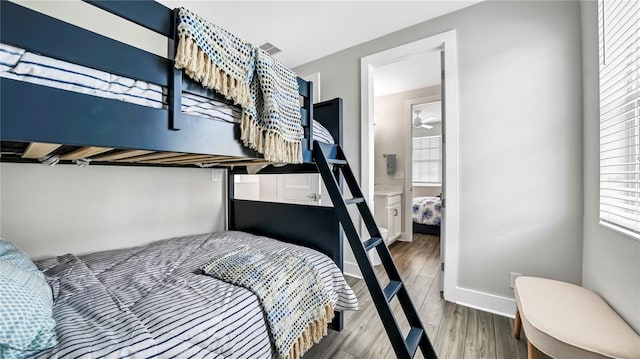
(18, 64)
(427, 210)
(151, 301)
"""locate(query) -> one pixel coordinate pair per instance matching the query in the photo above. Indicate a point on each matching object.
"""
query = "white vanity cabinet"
(388, 213)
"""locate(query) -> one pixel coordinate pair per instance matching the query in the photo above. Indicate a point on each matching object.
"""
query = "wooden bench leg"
(517, 325)
(532, 352)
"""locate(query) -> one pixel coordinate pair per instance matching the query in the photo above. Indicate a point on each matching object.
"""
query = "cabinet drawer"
(391, 200)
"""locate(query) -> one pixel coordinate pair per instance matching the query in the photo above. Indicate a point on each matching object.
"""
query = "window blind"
(427, 159)
(619, 57)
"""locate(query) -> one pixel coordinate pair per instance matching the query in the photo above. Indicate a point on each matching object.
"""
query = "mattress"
(427, 210)
(151, 301)
(21, 65)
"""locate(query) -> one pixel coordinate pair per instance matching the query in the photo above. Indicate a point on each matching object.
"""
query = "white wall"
(611, 261)
(520, 154)
(422, 191)
(67, 209)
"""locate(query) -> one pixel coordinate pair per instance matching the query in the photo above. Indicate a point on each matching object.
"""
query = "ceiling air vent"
(269, 48)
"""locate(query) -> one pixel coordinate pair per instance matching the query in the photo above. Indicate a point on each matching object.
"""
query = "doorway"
(444, 44)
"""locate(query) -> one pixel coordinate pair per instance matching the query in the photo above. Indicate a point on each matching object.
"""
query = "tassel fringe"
(314, 332)
(198, 65)
(274, 148)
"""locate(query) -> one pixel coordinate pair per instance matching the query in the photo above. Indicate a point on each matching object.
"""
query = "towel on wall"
(391, 163)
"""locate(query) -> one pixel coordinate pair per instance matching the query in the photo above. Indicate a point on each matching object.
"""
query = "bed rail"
(146, 13)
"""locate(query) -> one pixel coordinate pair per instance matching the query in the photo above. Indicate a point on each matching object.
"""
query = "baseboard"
(491, 303)
(404, 238)
(352, 270)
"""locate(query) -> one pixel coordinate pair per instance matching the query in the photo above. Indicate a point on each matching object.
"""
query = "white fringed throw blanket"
(266, 90)
(298, 308)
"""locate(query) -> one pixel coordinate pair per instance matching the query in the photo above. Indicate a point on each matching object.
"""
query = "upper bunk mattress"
(151, 301)
(21, 65)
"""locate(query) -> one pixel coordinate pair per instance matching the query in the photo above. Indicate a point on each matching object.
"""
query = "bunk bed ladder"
(327, 156)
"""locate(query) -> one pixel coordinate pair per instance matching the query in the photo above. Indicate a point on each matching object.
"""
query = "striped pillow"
(26, 305)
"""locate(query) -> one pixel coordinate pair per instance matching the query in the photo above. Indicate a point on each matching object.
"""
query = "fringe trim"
(272, 145)
(314, 332)
(198, 65)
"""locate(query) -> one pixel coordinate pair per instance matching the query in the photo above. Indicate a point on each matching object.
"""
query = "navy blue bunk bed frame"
(31, 113)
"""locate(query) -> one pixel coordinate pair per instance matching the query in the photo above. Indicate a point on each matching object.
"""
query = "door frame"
(443, 41)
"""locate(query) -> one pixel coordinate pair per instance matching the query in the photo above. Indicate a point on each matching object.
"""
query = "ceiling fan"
(419, 122)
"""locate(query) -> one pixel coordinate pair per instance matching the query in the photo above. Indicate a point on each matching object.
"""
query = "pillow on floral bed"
(26, 305)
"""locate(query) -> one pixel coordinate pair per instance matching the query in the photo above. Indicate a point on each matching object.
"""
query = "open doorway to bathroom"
(412, 122)
(407, 142)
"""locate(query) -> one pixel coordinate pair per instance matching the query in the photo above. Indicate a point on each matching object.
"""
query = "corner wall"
(50, 211)
(520, 156)
(611, 260)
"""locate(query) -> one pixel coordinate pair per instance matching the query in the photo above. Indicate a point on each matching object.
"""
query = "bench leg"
(517, 325)
(532, 353)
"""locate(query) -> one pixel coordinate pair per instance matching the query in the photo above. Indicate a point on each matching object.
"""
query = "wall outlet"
(512, 279)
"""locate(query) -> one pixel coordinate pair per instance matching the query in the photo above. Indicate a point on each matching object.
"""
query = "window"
(427, 160)
(619, 54)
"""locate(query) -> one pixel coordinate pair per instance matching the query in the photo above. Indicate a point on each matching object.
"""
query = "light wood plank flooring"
(456, 332)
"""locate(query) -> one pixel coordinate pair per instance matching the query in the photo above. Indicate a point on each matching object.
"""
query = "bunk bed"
(163, 119)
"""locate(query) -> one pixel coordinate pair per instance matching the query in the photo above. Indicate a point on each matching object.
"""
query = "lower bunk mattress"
(153, 301)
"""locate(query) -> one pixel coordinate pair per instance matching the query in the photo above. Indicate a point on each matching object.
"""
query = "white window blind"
(619, 51)
(427, 160)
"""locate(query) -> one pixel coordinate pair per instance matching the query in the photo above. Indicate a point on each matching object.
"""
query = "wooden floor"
(456, 332)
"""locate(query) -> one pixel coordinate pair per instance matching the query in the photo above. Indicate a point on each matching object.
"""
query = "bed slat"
(39, 150)
(178, 159)
(226, 160)
(151, 156)
(84, 152)
(245, 163)
(121, 155)
(198, 160)
(207, 159)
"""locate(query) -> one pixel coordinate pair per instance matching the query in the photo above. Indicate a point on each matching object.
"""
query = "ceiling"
(308, 30)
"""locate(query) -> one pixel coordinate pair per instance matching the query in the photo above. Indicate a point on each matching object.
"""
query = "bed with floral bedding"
(427, 215)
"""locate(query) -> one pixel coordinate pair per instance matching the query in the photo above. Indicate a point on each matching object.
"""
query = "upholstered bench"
(563, 320)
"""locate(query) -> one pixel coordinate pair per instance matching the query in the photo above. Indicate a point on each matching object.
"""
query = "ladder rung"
(353, 200)
(413, 340)
(392, 289)
(371, 243)
(336, 161)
